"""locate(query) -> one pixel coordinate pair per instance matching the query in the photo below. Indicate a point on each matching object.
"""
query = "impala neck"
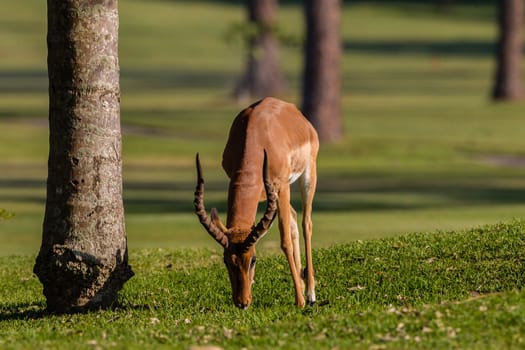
(245, 190)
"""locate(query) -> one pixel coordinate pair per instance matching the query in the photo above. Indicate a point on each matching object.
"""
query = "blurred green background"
(424, 149)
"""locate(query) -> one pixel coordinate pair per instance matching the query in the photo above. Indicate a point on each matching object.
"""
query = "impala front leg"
(308, 184)
(287, 244)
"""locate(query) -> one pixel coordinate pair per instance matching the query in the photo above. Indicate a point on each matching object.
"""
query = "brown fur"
(291, 145)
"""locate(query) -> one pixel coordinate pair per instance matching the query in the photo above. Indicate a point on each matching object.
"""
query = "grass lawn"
(455, 290)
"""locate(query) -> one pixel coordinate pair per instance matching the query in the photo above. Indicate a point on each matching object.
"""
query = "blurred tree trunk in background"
(508, 82)
(322, 72)
(83, 260)
(443, 6)
(262, 76)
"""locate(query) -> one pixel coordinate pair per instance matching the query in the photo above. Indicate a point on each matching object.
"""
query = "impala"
(270, 145)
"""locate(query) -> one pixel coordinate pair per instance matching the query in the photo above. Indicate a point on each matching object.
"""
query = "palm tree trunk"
(83, 260)
(322, 72)
(262, 76)
(508, 83)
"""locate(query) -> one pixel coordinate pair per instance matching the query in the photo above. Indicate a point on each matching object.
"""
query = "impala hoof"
(242, 306)
(310, 298)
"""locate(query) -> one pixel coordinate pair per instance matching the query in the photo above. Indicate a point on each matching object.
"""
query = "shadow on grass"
(333, 195)
(355, 194)
(465, 48)
(26, 312)
(28, 80)
(36, 81)
(23, 312)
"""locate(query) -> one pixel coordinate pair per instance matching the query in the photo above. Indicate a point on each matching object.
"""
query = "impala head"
(239, 246)
(241, 270)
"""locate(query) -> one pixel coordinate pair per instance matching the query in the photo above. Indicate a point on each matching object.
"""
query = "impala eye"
(252, 262)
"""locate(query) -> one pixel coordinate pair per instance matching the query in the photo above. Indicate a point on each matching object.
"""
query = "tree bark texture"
(262, 76)
(508, 81)
(322, 71)
(83, 260)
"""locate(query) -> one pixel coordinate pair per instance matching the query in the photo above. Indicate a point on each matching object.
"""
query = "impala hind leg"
(308, 184)
(294, 231)
(287, 244)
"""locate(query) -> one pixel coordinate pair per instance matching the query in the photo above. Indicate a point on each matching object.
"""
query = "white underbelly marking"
(294, 177)
(299, 162)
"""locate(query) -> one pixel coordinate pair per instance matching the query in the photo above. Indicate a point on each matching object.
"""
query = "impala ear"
(217, 220)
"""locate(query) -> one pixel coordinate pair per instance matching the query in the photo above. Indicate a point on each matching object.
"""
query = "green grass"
(440, 290)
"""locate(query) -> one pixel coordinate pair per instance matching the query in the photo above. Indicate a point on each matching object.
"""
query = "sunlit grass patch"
(428, 290)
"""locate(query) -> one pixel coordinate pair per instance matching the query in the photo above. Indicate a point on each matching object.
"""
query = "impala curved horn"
(215, 231)
(271, 209)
